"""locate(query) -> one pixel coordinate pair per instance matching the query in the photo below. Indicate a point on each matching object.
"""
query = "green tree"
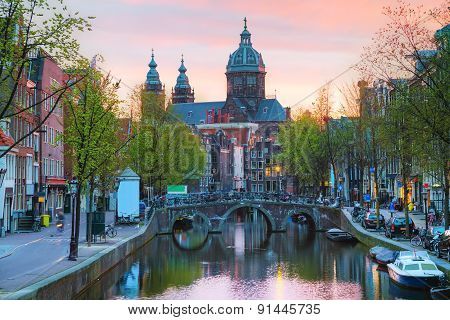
(165, 150)
(303, 154)
(26, 27)
(90, 128)
(400, 136)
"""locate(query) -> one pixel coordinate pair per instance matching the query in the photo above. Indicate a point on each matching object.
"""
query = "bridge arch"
(194, 212)
(266, 213)
(309, 217)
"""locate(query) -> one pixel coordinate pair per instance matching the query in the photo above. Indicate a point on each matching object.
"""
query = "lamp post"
(73, 187)
(425, 194)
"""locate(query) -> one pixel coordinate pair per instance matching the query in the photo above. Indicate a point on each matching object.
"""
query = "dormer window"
(189, 115)
(265, 110)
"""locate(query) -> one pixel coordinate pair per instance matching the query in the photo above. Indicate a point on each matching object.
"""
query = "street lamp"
(73, 188)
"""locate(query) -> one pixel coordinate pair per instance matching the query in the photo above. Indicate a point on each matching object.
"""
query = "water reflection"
(190, 232)
(246, 263)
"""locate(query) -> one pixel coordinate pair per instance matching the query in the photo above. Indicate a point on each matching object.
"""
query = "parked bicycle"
(111, 231)
(419, 238)
(36, 225)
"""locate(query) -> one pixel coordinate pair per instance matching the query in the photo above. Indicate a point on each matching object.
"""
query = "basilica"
(239, 133)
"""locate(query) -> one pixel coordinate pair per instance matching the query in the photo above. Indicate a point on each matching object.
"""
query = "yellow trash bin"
(45, 220)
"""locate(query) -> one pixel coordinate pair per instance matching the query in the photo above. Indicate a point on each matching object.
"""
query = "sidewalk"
(404, 244)
(26, 258)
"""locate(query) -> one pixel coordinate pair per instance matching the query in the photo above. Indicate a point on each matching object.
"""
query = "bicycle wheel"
(416, 241)
(112, 232)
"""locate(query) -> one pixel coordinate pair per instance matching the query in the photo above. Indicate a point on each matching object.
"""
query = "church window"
(238, 59)
(251, 58)
(251, 80)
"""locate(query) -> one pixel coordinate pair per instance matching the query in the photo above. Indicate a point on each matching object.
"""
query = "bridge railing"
(226, 197)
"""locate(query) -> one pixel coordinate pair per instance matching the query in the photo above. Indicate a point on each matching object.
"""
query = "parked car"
(444, 245)
(370, 220)
(396, 226)
(431, 233)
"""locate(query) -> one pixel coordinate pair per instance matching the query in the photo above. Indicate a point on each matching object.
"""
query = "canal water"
(244, 262)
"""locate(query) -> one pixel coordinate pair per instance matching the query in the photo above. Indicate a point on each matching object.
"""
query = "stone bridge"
(276, 213)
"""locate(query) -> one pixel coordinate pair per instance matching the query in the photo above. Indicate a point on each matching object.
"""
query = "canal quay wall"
(71, 282)
(372, 239)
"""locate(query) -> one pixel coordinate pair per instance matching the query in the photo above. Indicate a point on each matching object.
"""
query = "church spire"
(245, 35)
(153, 83)
(182, 92)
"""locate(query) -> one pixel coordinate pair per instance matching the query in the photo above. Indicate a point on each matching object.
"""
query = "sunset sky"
(303, 43)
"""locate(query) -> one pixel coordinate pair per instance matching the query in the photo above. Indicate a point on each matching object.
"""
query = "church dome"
(245, 58)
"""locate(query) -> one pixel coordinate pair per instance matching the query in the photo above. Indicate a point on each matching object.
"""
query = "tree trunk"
(377, 198)
(91, 210)
(446, 194)
(77, 218)
(405, 206)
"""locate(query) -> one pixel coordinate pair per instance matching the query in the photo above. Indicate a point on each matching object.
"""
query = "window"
(253, 164)
(59, 200)
(45, 133)
(411, 267)
(260, 154)
(274, 186)
(237, 81)
(254, 186)
(268, 186)
(253, 154)
(46, 102)
(260, 164)
(253, 176)
(251, 80)
(260, 188)
(265, 110)
(428, 266)
(45, 165)
(189, 114)
(260, 176)
(52, 167)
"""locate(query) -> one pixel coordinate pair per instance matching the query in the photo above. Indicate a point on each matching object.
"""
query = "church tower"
(246, 72)
(182, 92)
(153, 83)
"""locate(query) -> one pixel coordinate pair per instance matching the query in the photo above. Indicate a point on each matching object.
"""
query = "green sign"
(176, 189)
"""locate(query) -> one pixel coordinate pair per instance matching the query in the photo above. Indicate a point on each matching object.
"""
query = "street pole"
(72, 255)
(73, 241)
(425, 211)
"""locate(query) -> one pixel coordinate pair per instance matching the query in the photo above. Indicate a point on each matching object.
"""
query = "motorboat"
(376, 250)
(417, 273)
(385, 257)
(440, 293)
(339, 235)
